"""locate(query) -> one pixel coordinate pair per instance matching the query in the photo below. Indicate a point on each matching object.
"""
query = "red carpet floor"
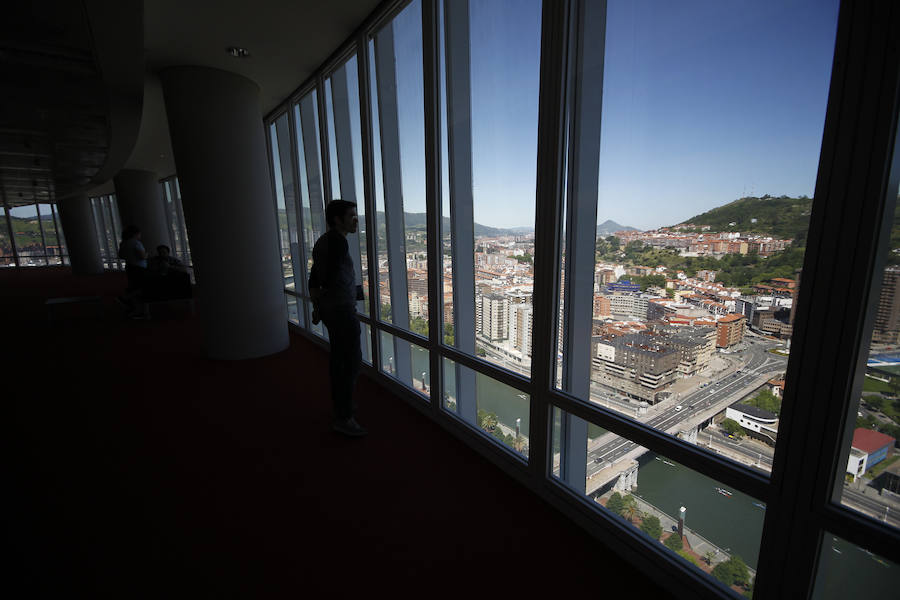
(138, 468)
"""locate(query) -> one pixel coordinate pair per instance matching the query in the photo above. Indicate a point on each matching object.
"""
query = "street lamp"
(424, 386)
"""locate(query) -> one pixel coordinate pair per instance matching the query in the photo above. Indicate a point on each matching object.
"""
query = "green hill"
(780, 217)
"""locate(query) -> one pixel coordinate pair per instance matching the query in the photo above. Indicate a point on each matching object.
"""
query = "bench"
(52, 303)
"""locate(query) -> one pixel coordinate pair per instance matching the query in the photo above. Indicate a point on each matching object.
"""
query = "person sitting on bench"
(163, 261)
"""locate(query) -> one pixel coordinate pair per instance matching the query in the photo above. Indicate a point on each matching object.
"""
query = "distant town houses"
(704, 244)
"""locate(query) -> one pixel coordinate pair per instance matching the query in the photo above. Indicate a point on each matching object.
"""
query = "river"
(733, 523)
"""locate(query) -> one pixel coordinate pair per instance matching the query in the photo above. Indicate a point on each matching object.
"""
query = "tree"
(487, 420)
(732, 427)
(615, 504)
(732, 571)
(419, 325)
(630, 508)
(739, 570)
(709, 556)
(449, 334)
(673, 542)
(651, 526)
(480, 351)
(722, 572)
(386, 313)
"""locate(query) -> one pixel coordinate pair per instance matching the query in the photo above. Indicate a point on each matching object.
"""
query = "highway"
(757, 362)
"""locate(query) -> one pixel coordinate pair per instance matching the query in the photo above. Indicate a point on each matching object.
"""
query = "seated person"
(167, 278)
(163, 261)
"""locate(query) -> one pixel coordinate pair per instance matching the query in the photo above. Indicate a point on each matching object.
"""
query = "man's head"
(162, 251)
(341, 216)
(131, 231)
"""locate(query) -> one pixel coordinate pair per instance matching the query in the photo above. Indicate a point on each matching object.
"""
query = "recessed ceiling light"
(237, 52)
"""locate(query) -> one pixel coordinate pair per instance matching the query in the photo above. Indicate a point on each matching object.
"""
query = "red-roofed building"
(876, 445)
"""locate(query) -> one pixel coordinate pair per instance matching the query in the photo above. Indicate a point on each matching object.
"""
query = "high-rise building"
(887, 315)
(730, 330)
(495, 317)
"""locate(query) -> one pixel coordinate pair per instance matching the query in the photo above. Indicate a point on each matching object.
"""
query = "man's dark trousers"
(345, 359)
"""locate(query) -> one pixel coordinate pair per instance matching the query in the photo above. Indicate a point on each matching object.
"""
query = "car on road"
(677, 408)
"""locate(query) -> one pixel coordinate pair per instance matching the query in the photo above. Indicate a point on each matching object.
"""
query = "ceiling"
(82, 97)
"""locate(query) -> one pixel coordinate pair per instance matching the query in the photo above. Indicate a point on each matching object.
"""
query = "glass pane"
(499, 410)
(871, 482)
(107, 206)
(49, 225)
(345, 152)
(62, 236)
(716, 529)
(185, 255)
(366, 343)
(7, 258)
(490, 71)
(850, 571)
(414, 371)
(286, 202)
(687, 215)
(293, 313)
(99, 228)
(399, 152)
(312, 198)
(27, 234)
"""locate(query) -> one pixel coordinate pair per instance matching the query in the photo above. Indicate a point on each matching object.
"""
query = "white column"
(220, 153)
(140, 203)
(81, 236)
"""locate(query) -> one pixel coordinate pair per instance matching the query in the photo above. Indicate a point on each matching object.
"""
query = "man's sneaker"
(349, 427)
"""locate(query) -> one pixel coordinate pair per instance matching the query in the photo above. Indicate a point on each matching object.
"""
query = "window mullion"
(433, 200)
(462, 215)
(365, 129)
(550, 149)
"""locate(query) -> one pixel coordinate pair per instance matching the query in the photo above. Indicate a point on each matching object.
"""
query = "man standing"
(334, 293)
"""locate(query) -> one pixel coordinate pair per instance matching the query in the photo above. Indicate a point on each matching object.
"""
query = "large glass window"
(677, 163)
(398, 122)
(687, 211)
(489, 63)
(870, 483)
(312, 193)
(51, 241)
(712, 527)
(286, 209)
(27, 235)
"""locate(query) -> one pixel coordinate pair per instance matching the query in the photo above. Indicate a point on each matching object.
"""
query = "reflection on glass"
(871, 482)
(416, 372)
(489, 65)
(688, 211)
(716, 529)
(495, 408)
(849, 571)
(399, 155)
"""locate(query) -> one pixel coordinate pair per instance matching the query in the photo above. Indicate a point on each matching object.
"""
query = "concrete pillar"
(81, 236)
(219, 146)
(139, 201)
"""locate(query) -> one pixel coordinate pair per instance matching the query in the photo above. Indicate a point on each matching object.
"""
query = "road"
(757, 362)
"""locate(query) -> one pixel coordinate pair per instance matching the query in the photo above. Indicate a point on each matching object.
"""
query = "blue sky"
(704, 102)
